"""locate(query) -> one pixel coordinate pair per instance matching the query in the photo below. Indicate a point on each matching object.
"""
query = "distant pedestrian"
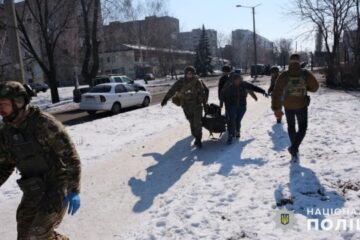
(234, 96)
(274, 73)
(291, 91)
(225, 79)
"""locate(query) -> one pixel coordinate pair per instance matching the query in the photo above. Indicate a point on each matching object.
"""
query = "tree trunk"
(52, 79)
(95, 41)
(91, 42)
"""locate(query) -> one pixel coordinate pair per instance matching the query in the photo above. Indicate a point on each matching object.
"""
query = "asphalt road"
(77, 116)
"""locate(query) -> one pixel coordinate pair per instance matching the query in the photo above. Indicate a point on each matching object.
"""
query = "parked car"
(238, 71)
(260, 70)
(303, 64)
(78, 92)
(112, 79)
(149, 77)
(39, 87)
(217, 73)
(105, 79)
(114, 97)
(117, 79)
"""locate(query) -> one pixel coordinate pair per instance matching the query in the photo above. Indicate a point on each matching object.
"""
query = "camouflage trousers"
(33, 224)
(194, 114)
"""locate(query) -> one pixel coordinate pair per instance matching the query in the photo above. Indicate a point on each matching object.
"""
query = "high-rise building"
(189, 40)
(243, 47)
(152, 31)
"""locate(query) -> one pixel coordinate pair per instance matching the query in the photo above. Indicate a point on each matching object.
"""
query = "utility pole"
(254, 38)
(255, 45)
(17, 66)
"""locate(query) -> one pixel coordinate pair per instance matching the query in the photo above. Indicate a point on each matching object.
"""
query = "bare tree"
(222, 40)
(3, 34)
(353, 32)
(91, 12)
(332, 17)
(49, 21)
(283, 48)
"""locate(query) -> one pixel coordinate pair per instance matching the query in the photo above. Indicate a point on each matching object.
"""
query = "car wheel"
(116, 108)
(92, 112)
(146, 102)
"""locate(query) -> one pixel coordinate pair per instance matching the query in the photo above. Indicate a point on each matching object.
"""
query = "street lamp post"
(254, 37)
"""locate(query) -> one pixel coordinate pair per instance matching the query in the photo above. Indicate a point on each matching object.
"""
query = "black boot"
(198, 143)
(230, 139)
(237, 135)
(293, 152)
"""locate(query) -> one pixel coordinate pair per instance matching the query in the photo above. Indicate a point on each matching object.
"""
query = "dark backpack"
(213, 121)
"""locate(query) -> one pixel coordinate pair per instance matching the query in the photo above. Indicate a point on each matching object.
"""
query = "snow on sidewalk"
(170, 191)
(143, 180)
(236, 196)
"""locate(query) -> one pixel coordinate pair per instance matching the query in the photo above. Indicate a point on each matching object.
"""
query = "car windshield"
(101, 89)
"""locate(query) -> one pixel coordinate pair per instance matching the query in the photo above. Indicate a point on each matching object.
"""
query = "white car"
(114, 97)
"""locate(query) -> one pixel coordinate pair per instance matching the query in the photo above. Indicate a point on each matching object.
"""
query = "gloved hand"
(278, 113)
(163, 102)
(266, 94)
(73, 201)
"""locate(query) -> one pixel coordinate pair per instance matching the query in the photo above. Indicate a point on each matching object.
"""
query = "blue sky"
(272, 19)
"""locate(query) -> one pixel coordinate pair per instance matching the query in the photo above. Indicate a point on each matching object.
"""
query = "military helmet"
(12, 90)
(274, 69)
(190, 69)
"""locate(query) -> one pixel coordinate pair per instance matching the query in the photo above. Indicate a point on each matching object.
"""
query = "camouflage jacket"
(56, 147)
(191, 92)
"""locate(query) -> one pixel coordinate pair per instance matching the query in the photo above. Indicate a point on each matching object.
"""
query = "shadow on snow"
(178, 159)
(307, 193)
(279, 137)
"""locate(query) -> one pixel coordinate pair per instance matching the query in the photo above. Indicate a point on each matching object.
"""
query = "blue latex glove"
(73, 201)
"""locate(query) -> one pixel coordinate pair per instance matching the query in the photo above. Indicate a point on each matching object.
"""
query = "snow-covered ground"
(43, 100)
(143, 180)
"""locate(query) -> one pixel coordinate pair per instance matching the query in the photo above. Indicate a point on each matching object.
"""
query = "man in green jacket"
(193, 95)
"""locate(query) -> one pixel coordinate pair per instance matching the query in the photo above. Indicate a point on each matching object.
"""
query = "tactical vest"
(23, 148)
(296, 85)
(189, 92)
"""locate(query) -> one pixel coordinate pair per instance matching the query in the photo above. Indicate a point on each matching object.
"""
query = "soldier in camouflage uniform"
(193, 95)
(39, 147)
